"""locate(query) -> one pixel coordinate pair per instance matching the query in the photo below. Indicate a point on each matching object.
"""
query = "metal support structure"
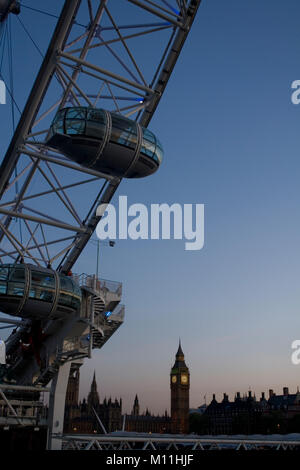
(38, 90)
(26, 388)
(10, 407)
(84, 77)
(57, 406)
(15, 414)
(99, 421)
(11, 322)
(37, 182)
(164, 442)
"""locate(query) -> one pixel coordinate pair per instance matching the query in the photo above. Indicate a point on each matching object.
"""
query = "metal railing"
(91, 280)
(160, 442)
(118, 311)
(22, 404)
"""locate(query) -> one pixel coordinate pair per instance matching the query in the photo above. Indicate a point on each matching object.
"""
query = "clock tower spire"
(180, 390)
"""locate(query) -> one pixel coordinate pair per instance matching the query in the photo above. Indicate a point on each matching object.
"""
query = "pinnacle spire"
(94, 376)
(179, 358)
(93, 397)
(179, 352)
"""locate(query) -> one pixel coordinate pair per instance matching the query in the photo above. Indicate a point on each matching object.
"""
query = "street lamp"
(110, 243)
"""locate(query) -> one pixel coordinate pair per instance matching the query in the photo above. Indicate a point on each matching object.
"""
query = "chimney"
(271, 393)
(285, 391)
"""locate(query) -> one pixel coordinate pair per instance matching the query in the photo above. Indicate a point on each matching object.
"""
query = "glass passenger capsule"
(29, 291)
(107, 142)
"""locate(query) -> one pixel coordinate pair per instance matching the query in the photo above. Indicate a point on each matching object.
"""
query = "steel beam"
(57, 406)
(92, 223)
(38, 91)
(57, 224)
(170, 62)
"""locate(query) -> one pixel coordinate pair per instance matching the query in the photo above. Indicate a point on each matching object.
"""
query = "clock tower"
(180, 389)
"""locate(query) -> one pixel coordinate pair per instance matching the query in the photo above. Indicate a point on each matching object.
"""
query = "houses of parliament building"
(244, 415)
(90, 416)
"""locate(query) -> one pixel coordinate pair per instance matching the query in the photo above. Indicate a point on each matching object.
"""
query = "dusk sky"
(231, 139)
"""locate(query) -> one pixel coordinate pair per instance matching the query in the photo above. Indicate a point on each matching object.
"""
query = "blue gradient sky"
(231, 140)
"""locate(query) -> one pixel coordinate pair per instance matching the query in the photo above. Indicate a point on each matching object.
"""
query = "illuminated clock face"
(174, 379)
(184, 379)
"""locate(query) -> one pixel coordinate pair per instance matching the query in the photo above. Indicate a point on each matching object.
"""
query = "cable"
(2, 32)
(3, 38)
(11, 76)
(39, 11)
(10, 65)
(10, 94)
(30, 37)
(50, 14)
(37, 47)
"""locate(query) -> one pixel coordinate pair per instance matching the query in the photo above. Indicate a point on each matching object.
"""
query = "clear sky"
(231, 138)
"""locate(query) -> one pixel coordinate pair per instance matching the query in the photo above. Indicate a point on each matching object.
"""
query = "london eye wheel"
(85, 126)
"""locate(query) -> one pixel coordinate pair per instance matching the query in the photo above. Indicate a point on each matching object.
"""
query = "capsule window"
(58, 127)
(124, 132)
(151, 146)
(75, 126)
(159, 151)
(16, 282)
(66, 284)
(95, 129)
(76, 113)
(70, 293)
(75, 119)
(96, 123)
(155, 157)
(69, 300)
(3, 273)
(42, 279)
(96, 115)
(65, 299)
(16, 274)
(42, 286)
(148, 148)
(3, 288)
(61, 114)
(77, 290)
(148, 135)
(75, 302)
(15, 289)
